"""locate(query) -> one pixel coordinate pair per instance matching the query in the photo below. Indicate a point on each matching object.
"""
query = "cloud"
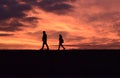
(115, 42)
(16, 47)
(6, 34)
(55, 6)
(12, 25)
(13, 16)
(12, 9)
(17, 10)
(31, 19)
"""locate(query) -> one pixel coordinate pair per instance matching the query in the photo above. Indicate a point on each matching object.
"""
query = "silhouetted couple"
(44, 39)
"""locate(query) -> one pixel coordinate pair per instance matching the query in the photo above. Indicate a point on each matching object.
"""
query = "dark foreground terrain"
(60, 63)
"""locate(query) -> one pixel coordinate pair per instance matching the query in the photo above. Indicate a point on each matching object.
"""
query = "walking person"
(61, 41)
(44, 39)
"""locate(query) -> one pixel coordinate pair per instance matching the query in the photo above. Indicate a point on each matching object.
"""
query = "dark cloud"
(12, 9)
(13, 25)
(56, 6)
(31, 19)
(6, 34)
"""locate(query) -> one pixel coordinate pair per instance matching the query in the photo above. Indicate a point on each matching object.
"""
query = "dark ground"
(60, 63)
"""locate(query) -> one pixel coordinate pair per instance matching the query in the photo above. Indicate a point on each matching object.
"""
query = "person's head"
(44, 32)
(60, 35)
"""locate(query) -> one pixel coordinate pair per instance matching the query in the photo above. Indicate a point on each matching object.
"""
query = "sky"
(88, 23)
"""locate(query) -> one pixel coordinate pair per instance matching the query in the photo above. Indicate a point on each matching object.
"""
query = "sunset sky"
(81, 22)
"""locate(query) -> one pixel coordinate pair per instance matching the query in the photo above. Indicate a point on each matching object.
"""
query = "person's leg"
(63, 47)
(59, 47)
(47, 46)
(42, 46)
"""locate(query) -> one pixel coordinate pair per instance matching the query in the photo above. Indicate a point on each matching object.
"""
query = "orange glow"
(78, 27)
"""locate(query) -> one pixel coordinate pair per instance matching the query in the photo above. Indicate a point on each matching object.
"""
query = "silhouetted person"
(61, 41)
(44, 39)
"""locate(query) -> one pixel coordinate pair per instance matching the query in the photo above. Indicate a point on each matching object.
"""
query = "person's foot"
(41, 49)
